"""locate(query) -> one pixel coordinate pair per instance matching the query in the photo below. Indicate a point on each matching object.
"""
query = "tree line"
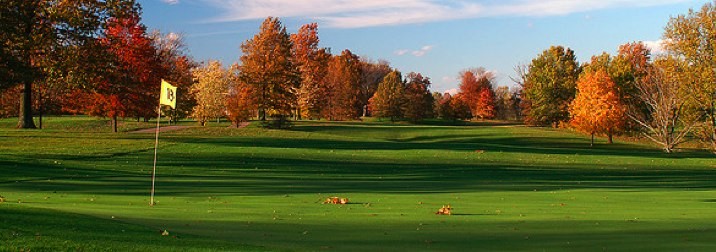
(97, 58)
(668, 98)
(85, 57)
(282, 76)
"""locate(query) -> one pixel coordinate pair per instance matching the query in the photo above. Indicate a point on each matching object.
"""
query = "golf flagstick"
(167, 96)
(156, 145)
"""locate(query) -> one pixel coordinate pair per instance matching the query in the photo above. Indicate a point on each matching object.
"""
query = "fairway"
(74, 187)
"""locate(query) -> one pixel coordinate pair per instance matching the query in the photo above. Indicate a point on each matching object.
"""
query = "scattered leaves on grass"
(336, 200)
(445, 210)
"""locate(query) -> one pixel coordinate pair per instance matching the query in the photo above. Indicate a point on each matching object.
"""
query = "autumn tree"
(131, 86)
(662, 92)
(629, 67)
(176, 66)
(267, 65)
(210, 89)
(9, 105)
(453, 107)
(476, 88)
(692, 38)
(342, 90)
(312, 63)
(549, 86)
(372, 73)
(507, 103)
(625, 69)
(418, 100)
(36, 35)
(442, 106)
(388, 99)
(597, 108)
(240, 103)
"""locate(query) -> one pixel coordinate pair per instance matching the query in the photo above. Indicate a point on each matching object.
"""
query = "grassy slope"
(531, 189)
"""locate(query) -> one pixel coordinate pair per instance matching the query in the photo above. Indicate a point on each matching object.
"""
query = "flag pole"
(156, 145)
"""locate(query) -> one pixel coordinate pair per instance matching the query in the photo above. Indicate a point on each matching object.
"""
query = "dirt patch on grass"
(241, 125)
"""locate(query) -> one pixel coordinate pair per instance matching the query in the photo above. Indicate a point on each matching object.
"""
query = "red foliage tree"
(131, 84)
(477, 92)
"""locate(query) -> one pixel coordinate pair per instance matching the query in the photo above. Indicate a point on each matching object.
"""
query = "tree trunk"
(25, 121)
(113, 121)
(591, 144)
(39, 118)
(40, 109)
(609, 135)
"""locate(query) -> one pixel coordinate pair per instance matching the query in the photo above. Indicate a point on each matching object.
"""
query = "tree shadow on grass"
(246, 175)
(467, 143)
(32, 229)
(452, 233)
(227, 171)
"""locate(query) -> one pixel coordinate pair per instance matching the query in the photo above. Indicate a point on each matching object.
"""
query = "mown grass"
(221, 188)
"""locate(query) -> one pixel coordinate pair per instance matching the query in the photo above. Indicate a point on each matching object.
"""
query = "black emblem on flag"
(170, 94)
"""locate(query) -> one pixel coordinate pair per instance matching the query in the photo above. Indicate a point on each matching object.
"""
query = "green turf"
(220, 188)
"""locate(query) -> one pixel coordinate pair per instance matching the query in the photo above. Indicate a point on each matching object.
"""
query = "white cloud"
(448, 79)
(171, 2)
(452, 91)
(368, 13)
(417, 53)
(656, 47)
(423, 50)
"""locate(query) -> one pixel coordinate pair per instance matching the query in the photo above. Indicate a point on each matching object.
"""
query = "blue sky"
(432, 37)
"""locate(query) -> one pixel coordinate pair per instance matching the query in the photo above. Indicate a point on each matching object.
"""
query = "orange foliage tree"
(342, 90)
(268, 65)
(477, 92)
(240, 102)
(312, 63)
(597, 108)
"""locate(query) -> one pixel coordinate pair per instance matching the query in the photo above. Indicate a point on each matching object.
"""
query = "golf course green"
(74, 186)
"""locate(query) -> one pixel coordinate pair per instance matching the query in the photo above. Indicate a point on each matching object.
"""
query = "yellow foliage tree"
(210, 89)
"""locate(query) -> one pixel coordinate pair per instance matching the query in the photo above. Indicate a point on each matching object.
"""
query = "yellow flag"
(168, 95)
